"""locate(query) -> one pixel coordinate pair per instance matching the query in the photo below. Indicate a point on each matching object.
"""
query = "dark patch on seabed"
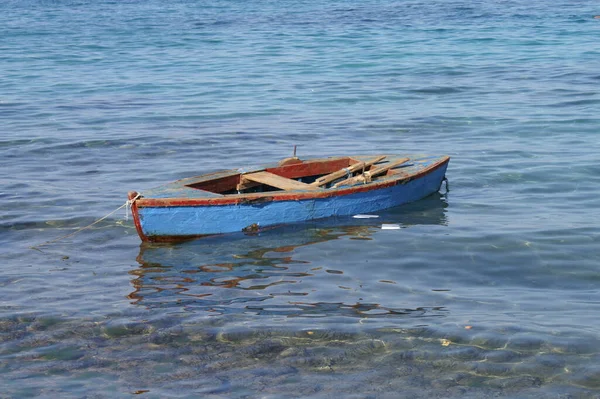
(169, 358)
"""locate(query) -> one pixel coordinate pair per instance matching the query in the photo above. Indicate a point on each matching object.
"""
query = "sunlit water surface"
(489, 289)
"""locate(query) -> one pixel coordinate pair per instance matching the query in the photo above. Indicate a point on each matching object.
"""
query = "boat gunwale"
(291, 195)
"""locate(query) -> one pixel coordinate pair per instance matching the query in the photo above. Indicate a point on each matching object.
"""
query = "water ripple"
(484, 291)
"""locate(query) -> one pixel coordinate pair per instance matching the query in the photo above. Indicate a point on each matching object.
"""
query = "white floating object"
(365, 216)
(390, 227)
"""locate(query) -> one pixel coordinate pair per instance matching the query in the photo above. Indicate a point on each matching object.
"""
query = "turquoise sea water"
(488, 290)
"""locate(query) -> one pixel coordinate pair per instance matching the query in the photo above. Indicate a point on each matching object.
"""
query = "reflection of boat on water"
(263, 274)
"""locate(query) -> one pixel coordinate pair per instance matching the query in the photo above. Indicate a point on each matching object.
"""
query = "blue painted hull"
(190, 221)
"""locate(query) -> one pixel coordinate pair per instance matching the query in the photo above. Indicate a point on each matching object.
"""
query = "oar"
(321, 181)
(367, 176)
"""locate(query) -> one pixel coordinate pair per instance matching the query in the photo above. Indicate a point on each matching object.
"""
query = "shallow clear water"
(490, 289)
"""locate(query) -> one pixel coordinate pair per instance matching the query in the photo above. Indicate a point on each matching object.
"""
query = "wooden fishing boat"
(290, 191)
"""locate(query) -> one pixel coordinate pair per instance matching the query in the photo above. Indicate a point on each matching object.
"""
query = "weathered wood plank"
(274, 180)
(367, 176)
(323, 180)
(383, 169)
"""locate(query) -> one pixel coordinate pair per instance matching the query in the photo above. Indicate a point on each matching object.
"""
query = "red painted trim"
(218, 185)
(175, 239)
(282, 195)
(136, 220)
(311, 167)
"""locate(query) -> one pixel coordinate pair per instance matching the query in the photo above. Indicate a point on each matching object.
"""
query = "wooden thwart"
(367, 176)
(273, 180)
(283, 183)
(323, 180)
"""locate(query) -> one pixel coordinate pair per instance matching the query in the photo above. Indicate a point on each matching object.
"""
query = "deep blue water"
(488, 290)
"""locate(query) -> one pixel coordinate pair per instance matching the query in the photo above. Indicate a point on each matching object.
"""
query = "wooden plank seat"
(368, 175)
(321, 181)
(273, 180)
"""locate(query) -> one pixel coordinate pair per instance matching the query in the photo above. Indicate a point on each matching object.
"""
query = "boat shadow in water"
(264, 273)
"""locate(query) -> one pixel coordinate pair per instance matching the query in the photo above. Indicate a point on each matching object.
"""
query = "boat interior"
(295, 174)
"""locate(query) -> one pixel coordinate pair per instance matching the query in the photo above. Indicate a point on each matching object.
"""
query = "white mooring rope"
(126, 205)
